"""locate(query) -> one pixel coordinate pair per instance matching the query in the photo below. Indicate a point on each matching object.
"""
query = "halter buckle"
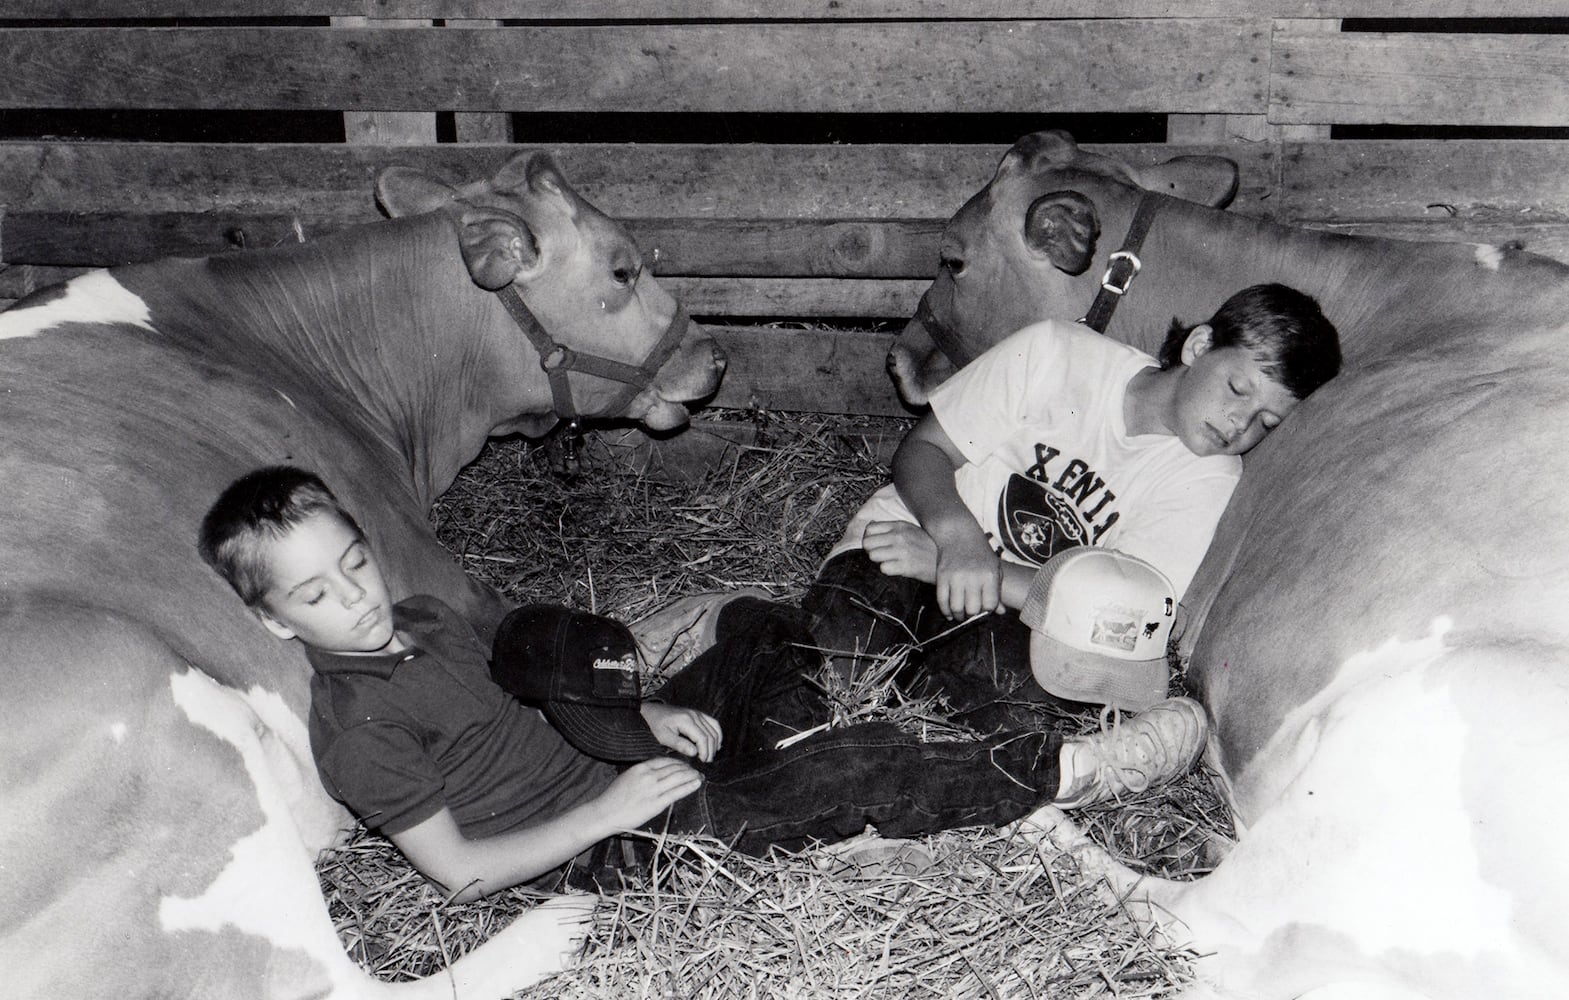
(1108, 280)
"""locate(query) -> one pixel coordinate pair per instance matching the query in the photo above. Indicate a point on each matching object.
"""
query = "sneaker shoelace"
(1124, 759)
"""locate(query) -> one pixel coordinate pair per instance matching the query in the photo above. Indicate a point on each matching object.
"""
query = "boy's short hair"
(258, 508)
(1286, 328)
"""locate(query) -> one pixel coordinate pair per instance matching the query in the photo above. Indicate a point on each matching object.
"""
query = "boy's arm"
(473, 868)
(903, 549)
(968, 572)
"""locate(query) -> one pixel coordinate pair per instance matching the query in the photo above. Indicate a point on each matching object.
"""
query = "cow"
(162, 811)
(1380, 630)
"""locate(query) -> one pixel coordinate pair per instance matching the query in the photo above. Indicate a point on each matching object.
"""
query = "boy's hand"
(900, 548)
(969, 579)
(645, 790)
(684, 730)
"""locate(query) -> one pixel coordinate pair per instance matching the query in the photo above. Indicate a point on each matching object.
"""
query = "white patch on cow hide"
(117, 732)
(94, 297)
(269, 887)
(1489, 256)
(1372, 835)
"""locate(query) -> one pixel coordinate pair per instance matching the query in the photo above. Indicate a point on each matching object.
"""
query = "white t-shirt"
(1051, 465)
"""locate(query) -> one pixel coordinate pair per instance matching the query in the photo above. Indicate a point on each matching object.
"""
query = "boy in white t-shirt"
(1054, 438)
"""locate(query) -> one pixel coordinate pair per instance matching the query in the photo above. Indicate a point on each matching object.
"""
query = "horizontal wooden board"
(1408, 78)
(641, 180)
(556, 10)
(1503, 181)
(739, 247)
(857, 9)
(776, 249)
(822, 298)
(1208, 66)
(823, 371)
(99, 203)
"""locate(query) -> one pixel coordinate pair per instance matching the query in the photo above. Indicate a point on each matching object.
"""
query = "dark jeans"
(754, 680)
(982, 669)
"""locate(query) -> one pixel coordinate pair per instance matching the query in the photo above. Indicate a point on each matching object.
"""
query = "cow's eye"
(623, 276)
(953, 265)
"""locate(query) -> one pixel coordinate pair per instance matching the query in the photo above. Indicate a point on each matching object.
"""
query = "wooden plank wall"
(1445, 120)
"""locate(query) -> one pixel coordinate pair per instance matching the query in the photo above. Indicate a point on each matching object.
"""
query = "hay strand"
(986, 919)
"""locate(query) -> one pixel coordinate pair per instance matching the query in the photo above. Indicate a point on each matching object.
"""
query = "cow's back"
(158, 763)
(1419, 488)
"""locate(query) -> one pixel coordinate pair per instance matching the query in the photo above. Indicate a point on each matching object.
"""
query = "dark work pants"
(754, 680)
(982, 669)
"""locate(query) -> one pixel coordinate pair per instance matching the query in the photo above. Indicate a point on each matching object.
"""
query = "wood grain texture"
(643, 180)
(1408, 78)
(1209, 66)
(1468, 180)
(824, 371)
(556, 10)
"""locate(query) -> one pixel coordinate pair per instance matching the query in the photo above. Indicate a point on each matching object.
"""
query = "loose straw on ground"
(987, 919)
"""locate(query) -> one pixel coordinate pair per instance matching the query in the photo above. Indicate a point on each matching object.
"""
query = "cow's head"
(584, 281)
(1032, 245)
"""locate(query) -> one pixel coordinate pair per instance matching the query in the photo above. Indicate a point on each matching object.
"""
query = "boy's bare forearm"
(923, 474)
(475, 868)
(1016, 580)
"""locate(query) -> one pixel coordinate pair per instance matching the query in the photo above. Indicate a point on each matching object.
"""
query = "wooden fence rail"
(1447, 120)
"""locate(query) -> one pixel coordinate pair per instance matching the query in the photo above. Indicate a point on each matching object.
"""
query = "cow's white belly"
(1408, 850)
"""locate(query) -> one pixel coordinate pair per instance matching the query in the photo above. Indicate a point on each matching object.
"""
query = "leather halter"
(1123, 265)
(558, 360)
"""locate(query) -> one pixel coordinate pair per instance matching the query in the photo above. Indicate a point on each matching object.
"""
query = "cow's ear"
(1207, 180)
(1063, 227)
(498, 247)
(404, 191)
(514, 173)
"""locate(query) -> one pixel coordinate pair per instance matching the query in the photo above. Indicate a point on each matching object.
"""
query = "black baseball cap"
(581, 670)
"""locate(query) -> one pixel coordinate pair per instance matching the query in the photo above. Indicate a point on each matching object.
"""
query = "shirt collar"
(380, 665)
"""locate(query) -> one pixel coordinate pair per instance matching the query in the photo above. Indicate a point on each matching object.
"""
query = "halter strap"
(942, 335)
(1123, 265)
(559, 360)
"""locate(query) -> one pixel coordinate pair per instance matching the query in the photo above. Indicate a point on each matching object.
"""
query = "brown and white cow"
(161, 811)
(1381, 628)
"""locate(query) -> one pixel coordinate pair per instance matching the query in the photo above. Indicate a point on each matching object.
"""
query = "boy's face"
(326, 589)
(1225, 404)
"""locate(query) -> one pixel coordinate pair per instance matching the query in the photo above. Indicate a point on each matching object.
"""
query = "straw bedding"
(988, 918)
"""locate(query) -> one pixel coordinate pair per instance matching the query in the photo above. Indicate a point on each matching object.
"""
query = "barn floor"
(985, 918)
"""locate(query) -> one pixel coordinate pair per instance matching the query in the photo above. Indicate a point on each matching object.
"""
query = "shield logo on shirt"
(1036, 523)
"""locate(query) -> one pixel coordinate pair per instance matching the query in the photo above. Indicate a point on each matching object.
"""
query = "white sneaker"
(1135, 754)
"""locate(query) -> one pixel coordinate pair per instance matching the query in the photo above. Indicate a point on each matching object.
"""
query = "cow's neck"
(1382, 295)
(389, 316)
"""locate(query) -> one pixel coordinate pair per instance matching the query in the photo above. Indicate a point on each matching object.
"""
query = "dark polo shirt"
(397, 736)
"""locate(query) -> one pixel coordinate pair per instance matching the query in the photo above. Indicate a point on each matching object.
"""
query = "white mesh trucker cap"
(1100, 621)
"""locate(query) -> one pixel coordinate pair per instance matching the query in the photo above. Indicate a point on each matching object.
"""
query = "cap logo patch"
(1115, 627)
(624, 664)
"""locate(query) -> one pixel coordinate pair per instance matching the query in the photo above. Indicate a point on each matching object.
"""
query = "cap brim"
(613, 734)
(1074, 675)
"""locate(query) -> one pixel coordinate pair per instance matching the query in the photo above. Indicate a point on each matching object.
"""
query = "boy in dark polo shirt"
(412, 731)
